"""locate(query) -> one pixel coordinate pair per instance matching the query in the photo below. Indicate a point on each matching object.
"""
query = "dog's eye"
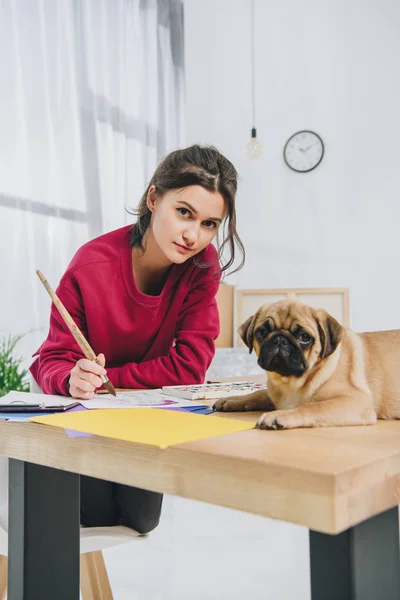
(261, 333)
(304, 338)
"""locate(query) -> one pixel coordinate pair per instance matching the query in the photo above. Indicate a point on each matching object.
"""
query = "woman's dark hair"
(196, 165)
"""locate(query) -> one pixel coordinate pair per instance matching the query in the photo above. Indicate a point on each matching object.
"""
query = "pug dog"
(319, 374)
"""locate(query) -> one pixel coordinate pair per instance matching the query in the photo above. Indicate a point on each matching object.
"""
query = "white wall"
(332, 67)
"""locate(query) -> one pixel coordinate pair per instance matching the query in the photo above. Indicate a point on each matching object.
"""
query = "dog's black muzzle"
(280, 355)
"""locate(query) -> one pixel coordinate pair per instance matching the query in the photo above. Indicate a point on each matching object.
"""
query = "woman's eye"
(183, 211)
(304, 338)
(210, 224)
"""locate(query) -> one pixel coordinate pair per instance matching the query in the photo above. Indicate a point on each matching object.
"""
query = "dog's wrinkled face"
(289, 338)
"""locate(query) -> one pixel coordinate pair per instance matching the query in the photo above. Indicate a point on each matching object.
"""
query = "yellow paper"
(153, 426)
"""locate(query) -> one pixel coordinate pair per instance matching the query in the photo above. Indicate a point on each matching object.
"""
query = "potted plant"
(12, 375)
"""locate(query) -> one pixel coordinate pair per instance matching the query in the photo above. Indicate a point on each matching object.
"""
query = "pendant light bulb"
(254, 147)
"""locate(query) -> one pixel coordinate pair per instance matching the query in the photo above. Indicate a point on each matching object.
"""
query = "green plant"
(12, 376)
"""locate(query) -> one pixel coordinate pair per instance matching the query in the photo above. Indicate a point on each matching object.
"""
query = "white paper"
(139, 399)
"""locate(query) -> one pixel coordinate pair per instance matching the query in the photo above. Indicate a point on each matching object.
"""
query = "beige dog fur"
(348, 378)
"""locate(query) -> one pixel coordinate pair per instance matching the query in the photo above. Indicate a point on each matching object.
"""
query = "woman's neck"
(150, 268)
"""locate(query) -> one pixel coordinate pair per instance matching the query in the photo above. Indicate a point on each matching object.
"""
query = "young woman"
(144, 297)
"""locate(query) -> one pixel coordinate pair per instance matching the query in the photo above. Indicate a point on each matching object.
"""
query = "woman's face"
(185, 221)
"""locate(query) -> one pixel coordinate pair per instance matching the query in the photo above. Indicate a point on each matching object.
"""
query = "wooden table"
(343, 481)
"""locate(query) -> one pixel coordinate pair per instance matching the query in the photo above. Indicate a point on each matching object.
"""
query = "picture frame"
(248, 301)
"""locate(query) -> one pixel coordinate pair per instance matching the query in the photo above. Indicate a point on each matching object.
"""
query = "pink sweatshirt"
(148, 341)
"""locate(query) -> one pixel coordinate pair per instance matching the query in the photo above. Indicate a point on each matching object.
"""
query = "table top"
(326, 479)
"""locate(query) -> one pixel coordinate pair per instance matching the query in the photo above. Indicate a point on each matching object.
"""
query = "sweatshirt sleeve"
(59, 352)
(188, 360)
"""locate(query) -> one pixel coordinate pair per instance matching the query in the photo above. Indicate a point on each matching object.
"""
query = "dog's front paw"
(258, 400)
(230, 404)
(278, 419)
(219, 404)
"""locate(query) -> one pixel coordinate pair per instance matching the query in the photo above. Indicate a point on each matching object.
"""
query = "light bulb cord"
(254, 148)
(253, 95)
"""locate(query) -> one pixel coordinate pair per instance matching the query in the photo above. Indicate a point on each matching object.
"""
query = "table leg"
(44, 539)
(362, 563)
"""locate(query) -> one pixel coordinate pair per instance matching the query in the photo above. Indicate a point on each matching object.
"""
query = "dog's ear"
(330, 332)
(246, 332)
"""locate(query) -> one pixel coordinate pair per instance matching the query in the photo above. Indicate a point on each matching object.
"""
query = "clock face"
(303, 151)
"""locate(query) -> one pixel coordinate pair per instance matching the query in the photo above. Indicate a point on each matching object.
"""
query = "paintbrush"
(74, 329)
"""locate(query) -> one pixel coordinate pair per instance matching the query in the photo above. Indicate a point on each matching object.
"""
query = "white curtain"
(91, 98)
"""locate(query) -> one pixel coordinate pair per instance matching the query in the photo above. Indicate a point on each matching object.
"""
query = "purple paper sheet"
(71, 432)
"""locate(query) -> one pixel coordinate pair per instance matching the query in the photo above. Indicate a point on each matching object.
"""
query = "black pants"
(104, 504)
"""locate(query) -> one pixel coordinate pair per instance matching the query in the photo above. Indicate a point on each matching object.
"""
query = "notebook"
(27, 402)
(212, 390)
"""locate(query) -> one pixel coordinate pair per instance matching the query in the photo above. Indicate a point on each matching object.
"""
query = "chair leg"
(94, 579)
(3, 576)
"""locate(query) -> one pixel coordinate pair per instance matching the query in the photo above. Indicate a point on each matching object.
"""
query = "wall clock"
(303, 151)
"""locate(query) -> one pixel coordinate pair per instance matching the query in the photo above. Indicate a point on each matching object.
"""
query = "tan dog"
(319, 374)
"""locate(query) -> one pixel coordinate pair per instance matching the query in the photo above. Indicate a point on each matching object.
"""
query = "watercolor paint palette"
(212, 390)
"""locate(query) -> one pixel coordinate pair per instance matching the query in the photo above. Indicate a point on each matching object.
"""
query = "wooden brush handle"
(72, 326)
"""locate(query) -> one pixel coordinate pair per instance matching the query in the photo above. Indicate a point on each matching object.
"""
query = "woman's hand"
(85, 377)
